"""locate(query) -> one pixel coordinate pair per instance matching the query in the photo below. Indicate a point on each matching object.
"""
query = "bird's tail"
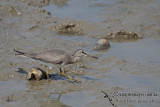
(30, 55)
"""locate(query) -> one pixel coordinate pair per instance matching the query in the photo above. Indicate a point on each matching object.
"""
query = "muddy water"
(143, 51)
(81, 9)
(128, 66)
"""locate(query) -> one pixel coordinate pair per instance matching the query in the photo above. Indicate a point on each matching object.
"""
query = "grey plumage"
(56, 56)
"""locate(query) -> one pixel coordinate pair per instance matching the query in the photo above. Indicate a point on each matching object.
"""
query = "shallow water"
(143, 51)
(81, 9)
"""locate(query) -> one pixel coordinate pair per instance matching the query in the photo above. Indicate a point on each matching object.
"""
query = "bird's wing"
(55, 57)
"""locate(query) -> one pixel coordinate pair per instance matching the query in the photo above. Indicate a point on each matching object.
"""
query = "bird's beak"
(90, 56)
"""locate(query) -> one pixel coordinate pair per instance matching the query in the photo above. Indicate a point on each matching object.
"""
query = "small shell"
(36, 74)
(102, 44)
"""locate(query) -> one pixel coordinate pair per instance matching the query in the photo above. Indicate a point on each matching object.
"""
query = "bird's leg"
(48, 72)
(70, 77)
(63, 74)
(61, 69)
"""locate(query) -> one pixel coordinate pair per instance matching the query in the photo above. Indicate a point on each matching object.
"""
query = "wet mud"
(130, 65)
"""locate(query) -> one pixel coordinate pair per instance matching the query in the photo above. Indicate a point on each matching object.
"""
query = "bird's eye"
(83, 52)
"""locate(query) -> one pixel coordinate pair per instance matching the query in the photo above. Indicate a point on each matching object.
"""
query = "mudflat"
(128, 71)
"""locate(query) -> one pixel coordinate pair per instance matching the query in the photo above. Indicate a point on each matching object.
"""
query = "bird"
(56, 57)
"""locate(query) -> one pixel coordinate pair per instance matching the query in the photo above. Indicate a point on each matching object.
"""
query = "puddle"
(5, 86)
(150, 82)
(77, 99)
(143, 51)
(79, 9)
(51, 102)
